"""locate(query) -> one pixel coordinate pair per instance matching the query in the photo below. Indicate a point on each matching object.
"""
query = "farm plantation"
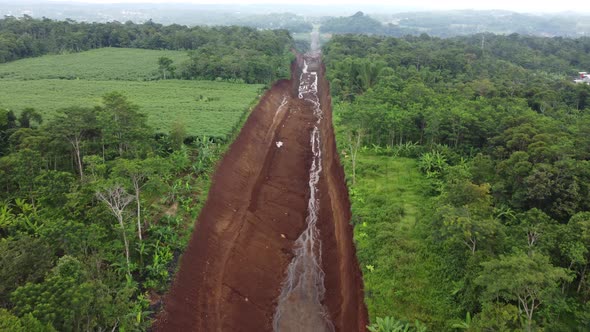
(53, 82)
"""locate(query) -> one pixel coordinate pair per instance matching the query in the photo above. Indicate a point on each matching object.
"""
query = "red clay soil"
(231, 273)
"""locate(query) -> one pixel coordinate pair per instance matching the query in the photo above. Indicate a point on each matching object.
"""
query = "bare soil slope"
(231, 273)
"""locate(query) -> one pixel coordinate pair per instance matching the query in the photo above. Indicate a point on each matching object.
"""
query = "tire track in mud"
(234, 267)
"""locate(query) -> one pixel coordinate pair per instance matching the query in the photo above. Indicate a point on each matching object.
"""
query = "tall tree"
(64, 299)
(354, 140)
(139, 172)
(575, 246)
(27, 116)
(122, 124)
(74, 124)
(165, 66)
(116, 198)
(466, 210)
(527, 279)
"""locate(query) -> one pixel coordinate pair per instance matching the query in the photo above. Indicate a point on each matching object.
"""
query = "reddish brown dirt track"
(231, 273)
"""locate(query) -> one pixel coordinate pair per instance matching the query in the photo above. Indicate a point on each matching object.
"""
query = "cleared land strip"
(232, 272)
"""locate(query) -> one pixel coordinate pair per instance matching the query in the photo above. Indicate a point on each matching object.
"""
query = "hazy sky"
(518, 5)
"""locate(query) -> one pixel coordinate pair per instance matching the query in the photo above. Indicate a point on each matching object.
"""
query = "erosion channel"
(272, 249)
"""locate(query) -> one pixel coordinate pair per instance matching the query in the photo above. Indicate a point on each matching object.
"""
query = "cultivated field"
(205, 107)
(101, 64)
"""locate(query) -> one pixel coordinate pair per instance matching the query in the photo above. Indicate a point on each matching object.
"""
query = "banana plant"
(464, 325)
(27, 216)
(6, 217)
(390, 324)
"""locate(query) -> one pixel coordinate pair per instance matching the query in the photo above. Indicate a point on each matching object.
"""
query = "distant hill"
(389, 19)
(288, 21)
(357, 23)
(462, 22)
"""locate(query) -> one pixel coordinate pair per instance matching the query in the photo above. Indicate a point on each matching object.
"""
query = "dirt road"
(236, 265)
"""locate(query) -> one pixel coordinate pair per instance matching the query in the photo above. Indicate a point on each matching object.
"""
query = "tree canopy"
(500, 132)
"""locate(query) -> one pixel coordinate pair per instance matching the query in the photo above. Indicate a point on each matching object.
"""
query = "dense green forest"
(95, 209)
(96, 204)
(238, 53)
(500, 134)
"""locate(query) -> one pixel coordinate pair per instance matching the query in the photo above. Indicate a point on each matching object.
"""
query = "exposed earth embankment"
(235, 267)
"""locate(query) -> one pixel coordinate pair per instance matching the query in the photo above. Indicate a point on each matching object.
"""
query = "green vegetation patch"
(204, 107)
(400, 275)
(500, 239)
(102, 64)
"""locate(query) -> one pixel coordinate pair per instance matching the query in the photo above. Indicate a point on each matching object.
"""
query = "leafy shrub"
(390, 324)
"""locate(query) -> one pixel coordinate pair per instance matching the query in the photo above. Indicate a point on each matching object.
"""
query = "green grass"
(164, 102)
(205, 107)
(400, 272)
(101, 65)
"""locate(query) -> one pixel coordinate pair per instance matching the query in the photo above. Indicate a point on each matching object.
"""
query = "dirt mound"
(344, 284)
(231, 273)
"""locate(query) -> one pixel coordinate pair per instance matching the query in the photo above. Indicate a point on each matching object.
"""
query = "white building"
(584, 78)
